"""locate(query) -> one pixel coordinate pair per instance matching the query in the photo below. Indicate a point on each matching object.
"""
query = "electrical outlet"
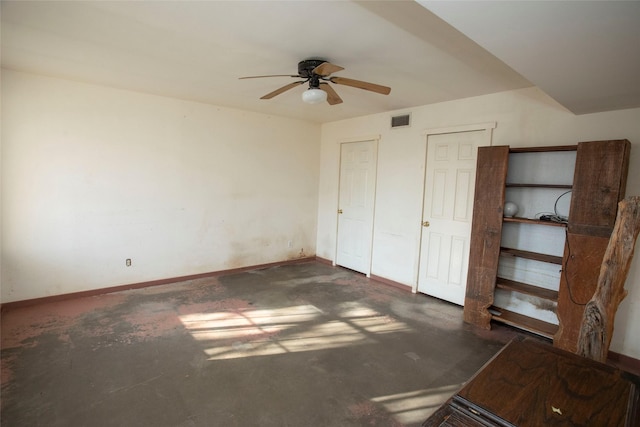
(290, 244)
(128, 262)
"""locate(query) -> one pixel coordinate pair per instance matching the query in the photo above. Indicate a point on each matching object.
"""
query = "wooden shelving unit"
(525, 182)
(597, 185)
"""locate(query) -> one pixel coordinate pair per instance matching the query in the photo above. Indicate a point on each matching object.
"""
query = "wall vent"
(400, 121)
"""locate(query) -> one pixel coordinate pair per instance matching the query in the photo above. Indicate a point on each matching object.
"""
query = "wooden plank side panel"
(581, 267)
(486, 232)
(599, 184)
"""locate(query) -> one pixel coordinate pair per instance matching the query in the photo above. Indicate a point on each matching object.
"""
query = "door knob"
(339, 211)
(426, 224)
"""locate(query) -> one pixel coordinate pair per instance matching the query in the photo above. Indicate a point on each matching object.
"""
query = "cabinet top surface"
(530, 383)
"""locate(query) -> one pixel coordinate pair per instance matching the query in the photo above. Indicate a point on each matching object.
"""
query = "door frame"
(376, 139)
(487, 128)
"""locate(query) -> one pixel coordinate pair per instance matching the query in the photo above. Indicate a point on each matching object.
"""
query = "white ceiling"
(584, 54)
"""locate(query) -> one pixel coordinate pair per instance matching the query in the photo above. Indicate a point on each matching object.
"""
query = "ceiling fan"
(318, 73)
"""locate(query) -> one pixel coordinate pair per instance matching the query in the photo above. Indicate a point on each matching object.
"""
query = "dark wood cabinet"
(530, 383)
(596, 182)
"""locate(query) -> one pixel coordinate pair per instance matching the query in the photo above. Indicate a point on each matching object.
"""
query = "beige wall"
(92, 176)
(524, 118)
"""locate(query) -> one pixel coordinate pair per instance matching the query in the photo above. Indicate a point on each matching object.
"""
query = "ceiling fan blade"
(327, 68)
(332, 96)
(273, 75)
(282, 89)
(384, 90)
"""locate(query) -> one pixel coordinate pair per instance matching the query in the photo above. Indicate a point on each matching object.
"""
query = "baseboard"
(392, 283)
(140, 285)
(379, 279)
(324, 261)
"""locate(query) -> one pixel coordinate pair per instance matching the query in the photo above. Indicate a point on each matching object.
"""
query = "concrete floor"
(297, 345)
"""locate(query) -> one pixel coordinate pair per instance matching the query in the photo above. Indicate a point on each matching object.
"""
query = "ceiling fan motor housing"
(306, 67)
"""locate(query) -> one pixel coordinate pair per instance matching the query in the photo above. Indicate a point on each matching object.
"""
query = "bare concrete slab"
(297, 345)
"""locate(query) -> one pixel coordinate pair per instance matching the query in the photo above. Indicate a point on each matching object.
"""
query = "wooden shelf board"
(551, 186)
(552, 259)
(543, 149)
(524, 288)
(536, 326)
(534, 221)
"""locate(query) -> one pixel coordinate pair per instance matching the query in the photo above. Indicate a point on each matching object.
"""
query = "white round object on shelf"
(510, 209)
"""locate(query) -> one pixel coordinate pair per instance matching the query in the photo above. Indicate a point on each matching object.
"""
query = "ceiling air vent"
(400, 121)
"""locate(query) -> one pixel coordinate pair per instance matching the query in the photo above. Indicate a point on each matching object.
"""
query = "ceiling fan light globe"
(314, 96)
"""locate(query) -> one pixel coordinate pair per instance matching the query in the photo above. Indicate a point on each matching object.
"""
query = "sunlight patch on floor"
(416, 406)
(246, 324)
(246, 333)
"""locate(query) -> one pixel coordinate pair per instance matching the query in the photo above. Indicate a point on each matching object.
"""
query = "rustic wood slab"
(486, 232)
(600, 312)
